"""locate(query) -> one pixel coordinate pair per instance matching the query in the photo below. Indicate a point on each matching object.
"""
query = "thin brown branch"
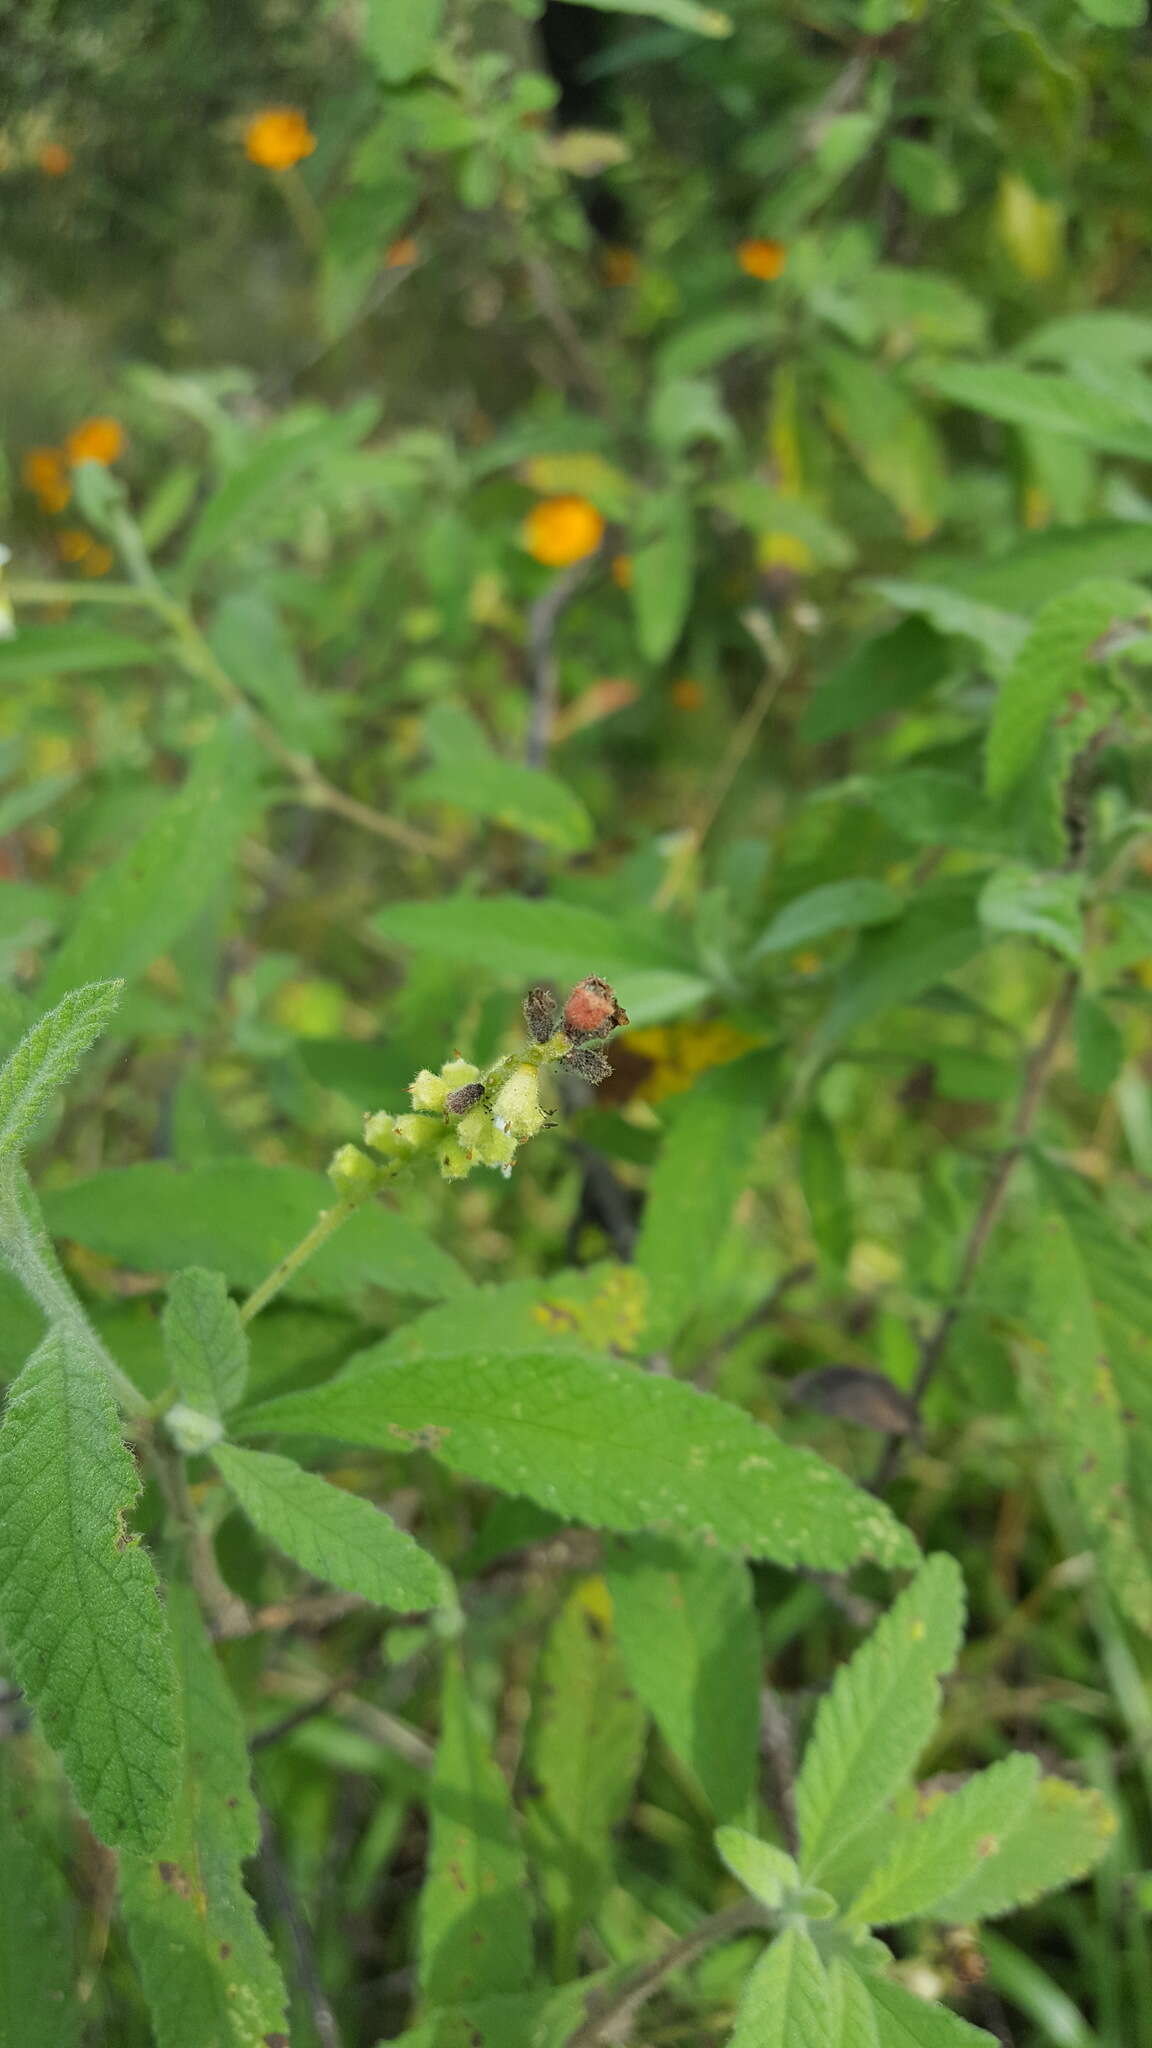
(621, 2005)
(543, 672)
(1036, 1074)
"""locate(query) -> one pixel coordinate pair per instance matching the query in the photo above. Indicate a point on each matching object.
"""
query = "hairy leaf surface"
(204, 1341)
(932, 1852)
(786, 2001)
(48, 1055)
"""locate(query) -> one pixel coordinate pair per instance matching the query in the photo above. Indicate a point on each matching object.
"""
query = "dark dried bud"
(463, 1099)
(589, 1062)
(592, 1010)
(540, 1014)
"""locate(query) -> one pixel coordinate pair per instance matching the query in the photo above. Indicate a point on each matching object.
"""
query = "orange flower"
(55, 160)
(621, 571)
(761, 258)
(687, 695)
(90, 556)
(619, 266)
(403, 253)
(44, 472)
(563, 530)
(278, 138)
(96, 440)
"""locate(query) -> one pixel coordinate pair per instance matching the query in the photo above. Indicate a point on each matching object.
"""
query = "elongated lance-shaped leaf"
(1056, 659)
(1061, 1834)
(79, 1603)
(205, 1964)
(48, 1055)
(205, 1343)
(475, 1916)
(1071, 1389)
(852, 2021)
(786, 2000)
(879, 1713)
(333, 1534)
(905, 2021)
(601, 1442)
(934, 1851)
(587, 1737)
(38, 1947)
(686, 1624)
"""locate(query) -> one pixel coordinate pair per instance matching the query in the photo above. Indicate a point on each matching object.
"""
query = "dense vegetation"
(575, 971)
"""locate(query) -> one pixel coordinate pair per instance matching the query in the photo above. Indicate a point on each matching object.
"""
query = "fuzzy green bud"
(479, 1135)
(458, 1074)
(417, 1133)
(516, 1108)
(352, 1173)
(192, 1431)
(381, 1134)
(455, 1162)
(427, 1090)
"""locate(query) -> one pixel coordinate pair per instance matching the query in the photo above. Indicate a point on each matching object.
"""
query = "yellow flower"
(87, 554)
(44, 472)
(563, 530)
(760, 257)
(278, 138)
(96, 440)
(55, 160)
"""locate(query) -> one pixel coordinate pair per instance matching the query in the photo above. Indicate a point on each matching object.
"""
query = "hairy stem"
(639, 1985)
(326, 1225)
(27, 1250)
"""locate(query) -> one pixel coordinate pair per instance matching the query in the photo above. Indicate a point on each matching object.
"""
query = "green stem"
(24, 1246)
(42, 592)
(325, 1226)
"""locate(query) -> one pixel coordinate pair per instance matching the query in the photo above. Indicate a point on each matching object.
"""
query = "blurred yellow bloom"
(278, 138)
(760, 257)
(85, 553)
(96, 440)
(44, 472)
(679, 1052)
(563, 530)
(55, 160)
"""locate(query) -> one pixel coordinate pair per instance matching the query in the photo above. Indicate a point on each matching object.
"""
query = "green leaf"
(261, 481)
(1060, 1836)
(515, 939)
(69, 650)
(240, 1217)
(1099, 1045)
(1114, 1263)
(48, 1055)
(38, 1919)
(475, 1917)
(1104, 335)
(1071, 1388)
(400, 36)
(1056, 659)
(1116, 13)
(893, 442)
(1000, 632)
(899, 961)
(251, 641)
(833, 907)
(149, 895)
(879, 1713)
(933, 1851)
(204, 1342)
(1041, 398)
(786, 2001)
(762, 508)
(695, 1186)
(851, 2014)
(886, 673)
(768, 1873)
(1024, 577)
(705, 21)
(908, 2022)
(530, 2019)
(587, 1738)
(686, 1625)
(204, 1961)
(824, 1185)
(79, 1603)
(331, 1533)
(662, 572)
(473, 778)
(932, 807)
(1018, 902)
(602, 1442)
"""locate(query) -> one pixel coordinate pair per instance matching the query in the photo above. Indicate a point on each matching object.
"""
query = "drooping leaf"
(205, 1963)
(1000, 633)
(587, 1738)
(1018, 902)
(890, 437)
(79, 1602)
(1062, 1833)
(686, 1625)
(331, 1533)
(833, 907)
(905, 2021)
(824, 1183)
(240, 1217)
(39, 1951)
(475, 1917)
(1056, 659)
(935, 1850)
(693, 1190)
(662, 571)
(1041, 398)
(146, 899)
(1070, 1385)
(48, 1055)
(204, 1342)
(878, 1714)
(786, 2000)
(251, 640)
(602, 1442)
(522, 941)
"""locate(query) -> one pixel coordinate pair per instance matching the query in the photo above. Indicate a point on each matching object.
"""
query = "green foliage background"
(833, 757)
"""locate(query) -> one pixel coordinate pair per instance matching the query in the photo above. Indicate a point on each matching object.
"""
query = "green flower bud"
(191, 1431)
(458, 1073)
(417, 1133)
(381, 1134)
(479, 1135)
(427, 1090)
(352, 1173)
(517, 1106)
(455, 1162)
